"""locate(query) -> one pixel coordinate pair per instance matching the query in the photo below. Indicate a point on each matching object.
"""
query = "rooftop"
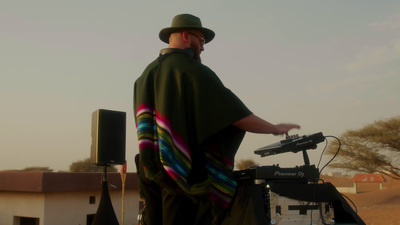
(42, 182)
(368, 178)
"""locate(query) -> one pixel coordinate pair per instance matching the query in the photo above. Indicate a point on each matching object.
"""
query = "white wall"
(69, 207)
(131, 206)
(64, 208)
(20, 204)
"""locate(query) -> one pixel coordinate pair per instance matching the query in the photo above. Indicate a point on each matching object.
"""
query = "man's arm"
(255, 124)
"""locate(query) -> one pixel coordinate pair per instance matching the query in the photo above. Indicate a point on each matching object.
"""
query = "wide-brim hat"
(185, 22)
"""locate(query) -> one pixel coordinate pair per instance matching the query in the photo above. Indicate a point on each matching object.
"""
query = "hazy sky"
(329, 66)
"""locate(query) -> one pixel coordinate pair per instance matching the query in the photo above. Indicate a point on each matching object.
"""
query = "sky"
(329, 66)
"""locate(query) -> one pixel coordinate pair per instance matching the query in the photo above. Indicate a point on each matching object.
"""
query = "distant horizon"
(329, 66)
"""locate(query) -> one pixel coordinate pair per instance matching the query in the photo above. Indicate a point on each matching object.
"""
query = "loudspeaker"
(108, 137)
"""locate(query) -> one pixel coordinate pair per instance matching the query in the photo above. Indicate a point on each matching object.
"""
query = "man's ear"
(185, 37)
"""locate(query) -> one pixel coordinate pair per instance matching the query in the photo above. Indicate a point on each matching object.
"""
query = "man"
(189, 129)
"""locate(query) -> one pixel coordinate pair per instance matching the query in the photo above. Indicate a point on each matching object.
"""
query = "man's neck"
(187, 51)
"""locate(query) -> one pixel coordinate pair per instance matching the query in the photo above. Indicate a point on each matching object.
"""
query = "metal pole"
(123, 178)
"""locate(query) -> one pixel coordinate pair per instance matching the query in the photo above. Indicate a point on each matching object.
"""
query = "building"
(47, 198)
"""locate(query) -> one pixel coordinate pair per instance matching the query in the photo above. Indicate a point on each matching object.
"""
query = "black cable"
(320, 158)
(319, 162)
(350, 201)
(321, 214)
(314, 199)
(337, 152)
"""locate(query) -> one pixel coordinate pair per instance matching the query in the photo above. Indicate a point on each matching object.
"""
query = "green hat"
(183, 22)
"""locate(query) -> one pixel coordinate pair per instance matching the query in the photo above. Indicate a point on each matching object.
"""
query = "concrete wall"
(69, 207)
(64, 208)
(350, 190)
(131, 206)
(22, 205)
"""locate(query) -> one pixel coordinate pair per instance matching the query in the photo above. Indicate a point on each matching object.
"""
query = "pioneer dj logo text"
(288, 174)
(304, 143)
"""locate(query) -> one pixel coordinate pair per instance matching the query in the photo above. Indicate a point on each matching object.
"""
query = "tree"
(245, 164)
(373, 148)
(86, 166)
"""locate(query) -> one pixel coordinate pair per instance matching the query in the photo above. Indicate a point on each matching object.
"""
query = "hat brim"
(166, 32)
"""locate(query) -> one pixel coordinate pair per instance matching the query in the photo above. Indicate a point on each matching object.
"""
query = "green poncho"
(183, 117)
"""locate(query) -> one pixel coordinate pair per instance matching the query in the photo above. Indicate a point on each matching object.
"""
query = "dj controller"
(293, 143)
(274, 195)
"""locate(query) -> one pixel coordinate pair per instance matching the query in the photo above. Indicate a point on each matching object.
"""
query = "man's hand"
(284, 128)
(255, 124)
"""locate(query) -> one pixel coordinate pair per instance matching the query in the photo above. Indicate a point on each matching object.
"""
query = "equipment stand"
(105, 214)
(305, 157)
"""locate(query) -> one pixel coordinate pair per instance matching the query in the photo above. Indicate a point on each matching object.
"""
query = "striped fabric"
(147, 140)
(157, 138)
(220, 174)
(174, 153)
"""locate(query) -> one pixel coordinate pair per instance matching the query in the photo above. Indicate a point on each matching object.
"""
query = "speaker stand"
(105, 214)
(105, 173)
